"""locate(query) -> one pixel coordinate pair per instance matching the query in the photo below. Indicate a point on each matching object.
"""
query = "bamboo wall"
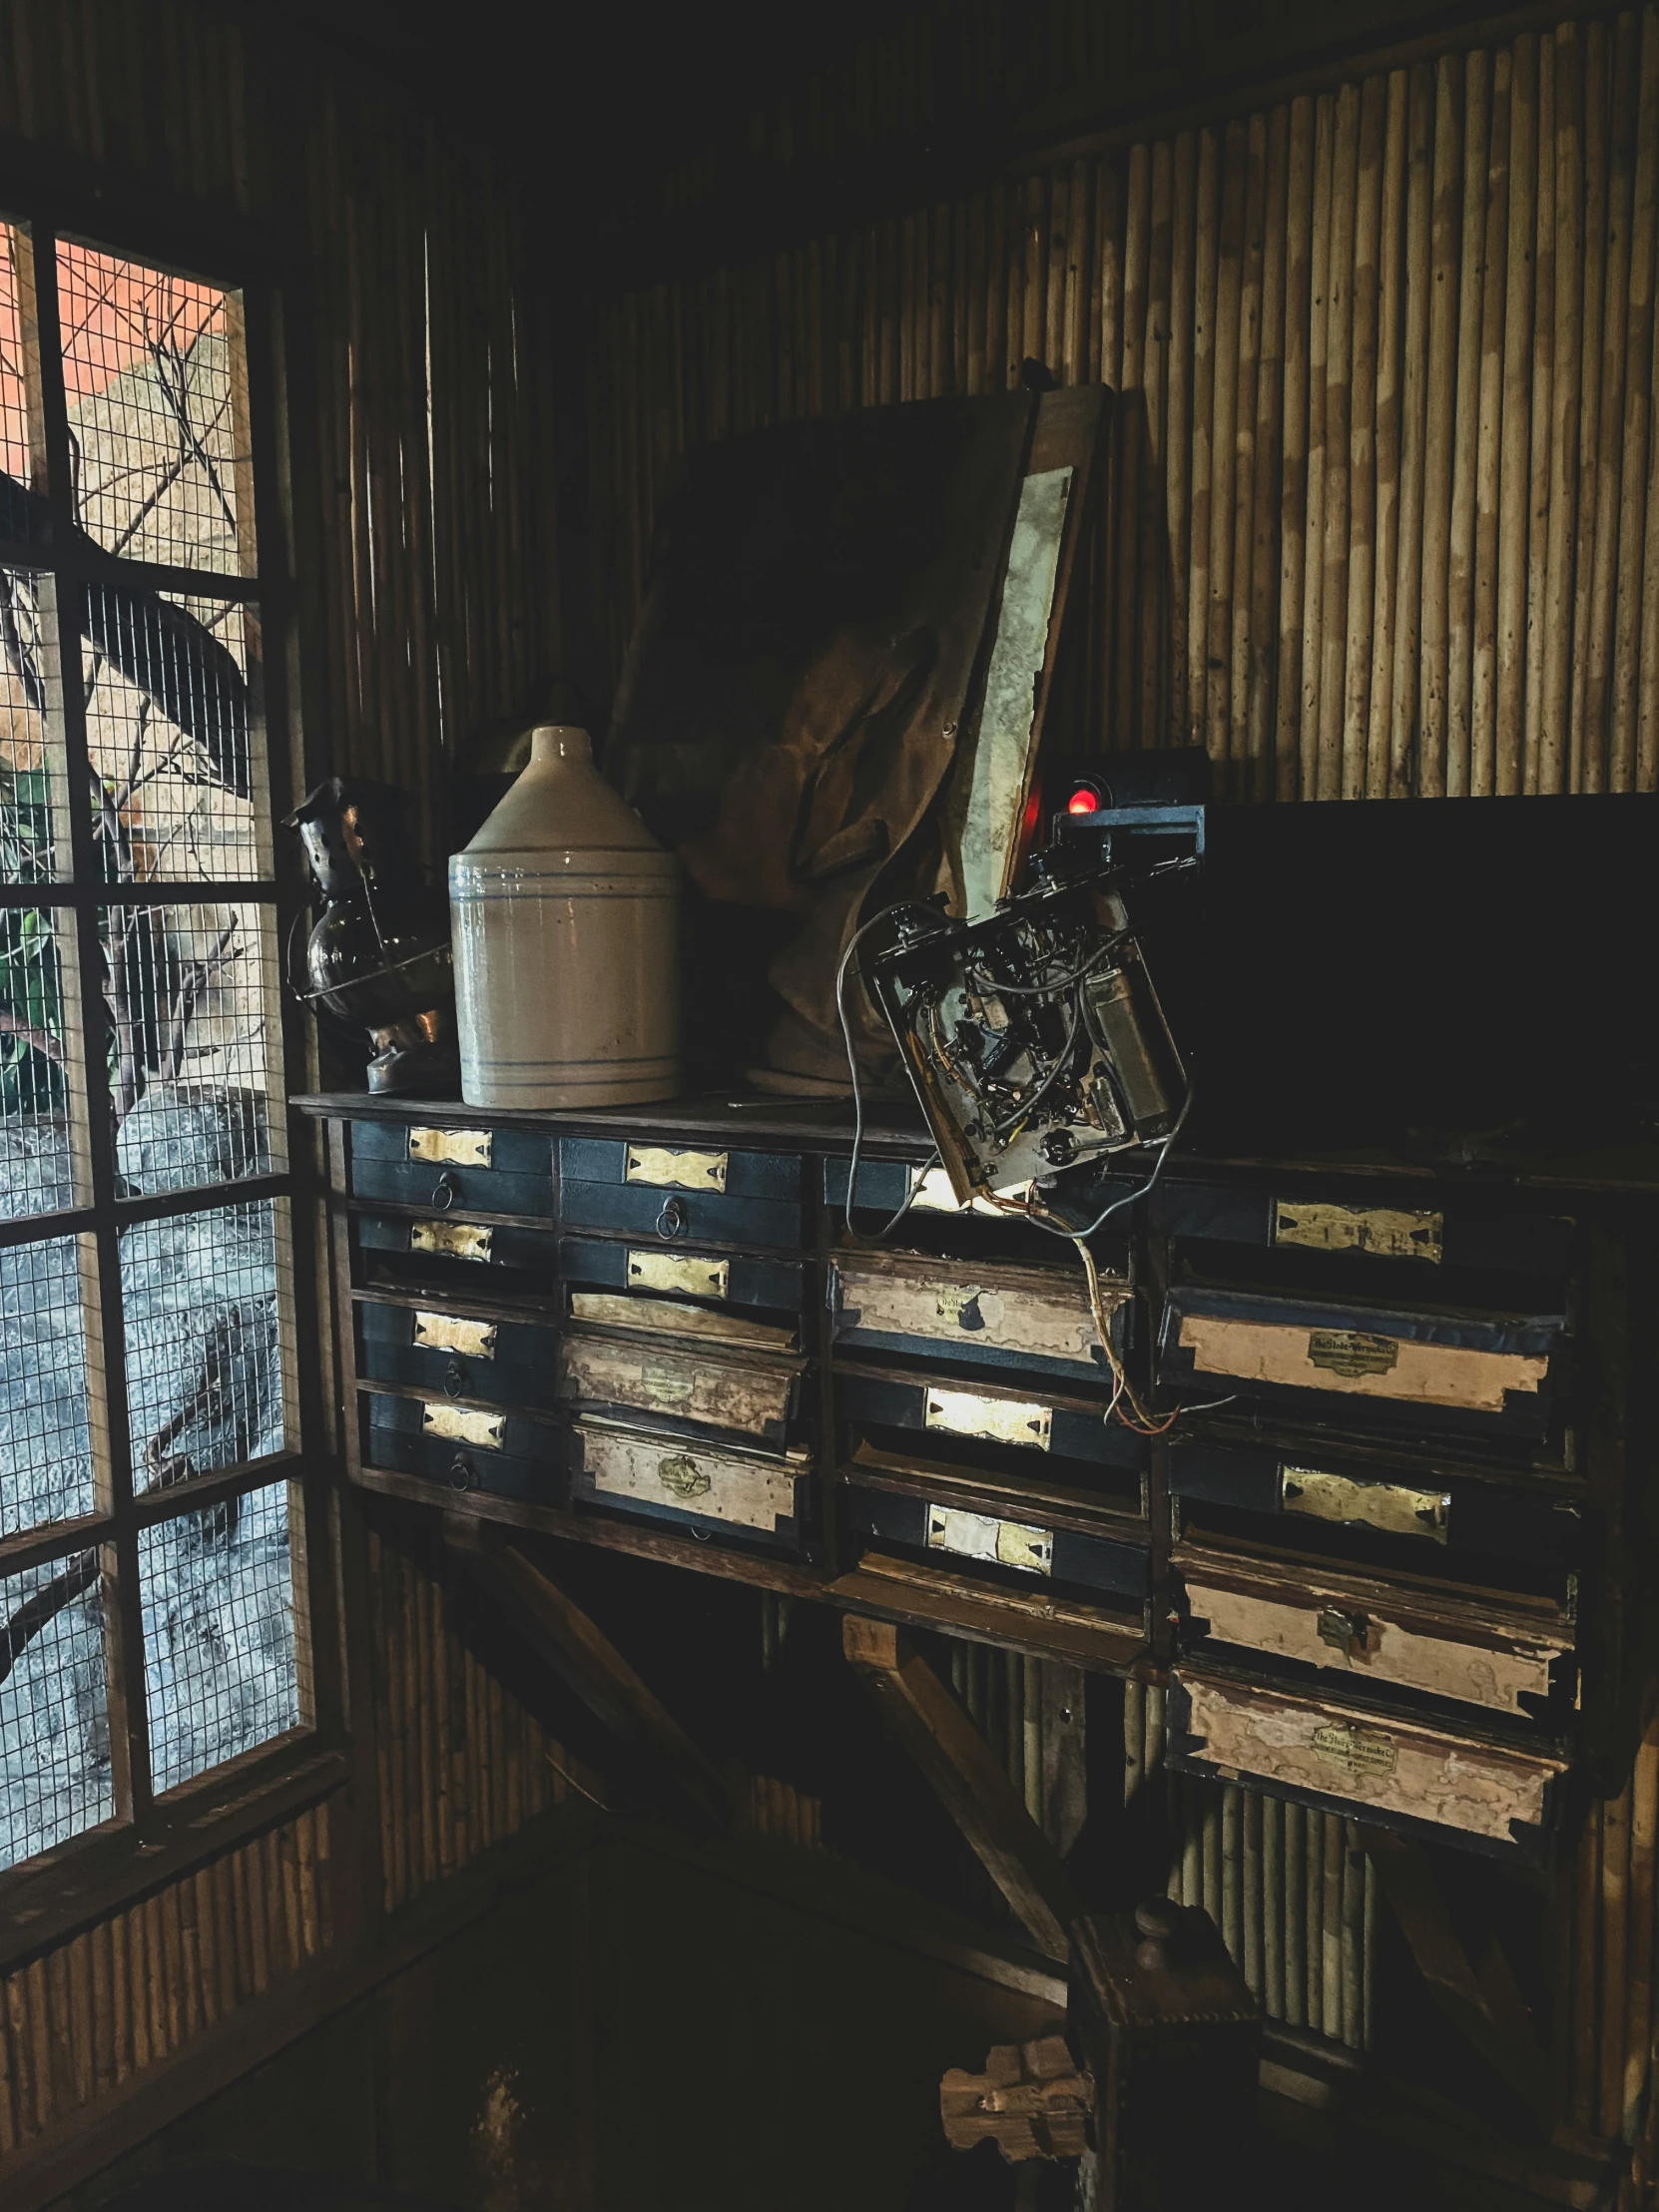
(1379, 517)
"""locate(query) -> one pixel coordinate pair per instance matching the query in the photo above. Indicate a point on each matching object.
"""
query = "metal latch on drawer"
(457, 1148)
(1004, 1420)
(1389, 1507)
(1003, 1543)
(461, 1424)
(679, 1276)
(665, 1168)
(1379, 1230)
(449, 1333)
(460, 1240)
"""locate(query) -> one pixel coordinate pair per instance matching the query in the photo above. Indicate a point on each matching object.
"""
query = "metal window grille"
(150, 1628)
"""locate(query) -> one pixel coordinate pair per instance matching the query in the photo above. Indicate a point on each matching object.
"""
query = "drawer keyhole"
(671, 1222)
(443, 1194)
(1348, 1633)
(455, 1377)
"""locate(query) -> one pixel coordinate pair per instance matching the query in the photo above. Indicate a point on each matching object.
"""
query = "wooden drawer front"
(729, 1326)
(680, 1383)
(1008, 1317)
(1390, 1769)
(669, 1270)
(673, 1194)
(1407, 1510)
(1395, 1226)
(465, 1447)
(635, 1470)
(1454, 1371)
(941, 1415)
(1503, 1657)
(507, 1361)
(955, 1540)
(490, 1171)
(442, 1248)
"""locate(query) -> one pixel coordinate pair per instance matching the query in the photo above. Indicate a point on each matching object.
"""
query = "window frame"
(149, 1840)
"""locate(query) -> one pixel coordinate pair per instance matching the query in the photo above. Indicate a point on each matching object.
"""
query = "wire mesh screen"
(171, 703)
(195, 1059)
(221, 1662)
(204, 1356)
(55, 1774)
(27, 762)
(149, 380)
(36, 1165)
(17, 510)
(46, 1468)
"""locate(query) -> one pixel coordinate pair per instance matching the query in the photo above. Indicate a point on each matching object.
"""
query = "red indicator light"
(1085, 799)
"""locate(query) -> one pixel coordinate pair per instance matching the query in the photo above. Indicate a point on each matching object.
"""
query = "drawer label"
(1002, 1420)
(679, 1276)
(1355, 1750)
(682, 1477)
(460, 1240)
(463, 1424)
(665, 1381)
(458, 1148)
(1392, 1507)
(449, 1333)
(1351, 1351)
(959, 1306)
(1003, 1544)
(666, 1168)
(1380, 1229)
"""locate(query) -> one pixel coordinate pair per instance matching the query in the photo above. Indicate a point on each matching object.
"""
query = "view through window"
(147, 1629)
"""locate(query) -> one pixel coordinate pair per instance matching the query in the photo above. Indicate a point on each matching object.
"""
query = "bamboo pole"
(1368, 2010)
(1057, 229)
(1296, 1915)
(1544, 372)
(1179, 419)
(1313, 567)
(1615, 1930)
(1554, 752)
(1154, 558)
(1209, 1816)
(1390, 330)
(1134, 1740)
(1268, 469)
(1293, 515)
(1353, 1937)
(1034, 225)
(1330, 1925)
(1584, 2080)
(1232, 1870)
(1313, 1907)
(1074, 339)
(1192, 1840)
(1644, 1843)
(1127, 445)
(1488, 449)
(1253, 1895)
(1201, 465)
(1406, 685)
(1440, 431)
(1245, 457)
(1595, 751)
(1361, 546)
(1589, 340)
(1638, 384)
(1459, 669)
(1218, 615)
(1273, 1908)
(1509, 618)
(1332, 634)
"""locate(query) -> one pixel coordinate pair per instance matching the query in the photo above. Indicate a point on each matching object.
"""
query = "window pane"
(55, 1779)
(172, 729)
(36, 1168)
(30, 766)
(152, 414)
(45, 1436)
(17, 511)
(220, 1661)
(195, 1059)
(205, 1356)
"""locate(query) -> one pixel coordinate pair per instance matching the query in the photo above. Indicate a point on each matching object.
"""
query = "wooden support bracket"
(966, 1777)
(584, 1657)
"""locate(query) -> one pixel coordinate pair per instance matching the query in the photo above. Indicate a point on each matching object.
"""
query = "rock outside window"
(149, 1630)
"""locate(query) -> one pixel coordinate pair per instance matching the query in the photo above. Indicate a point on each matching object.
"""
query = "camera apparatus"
(1034, 1038)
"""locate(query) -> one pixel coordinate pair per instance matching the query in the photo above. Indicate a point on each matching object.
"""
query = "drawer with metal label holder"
(448, 1249)
(1468, 1786)
(1014, 1318)
(662, 1270)
(681, 1386)
(489, 1171)
(478, 1354)
(676, 1194)
(1056, 1440)
(719, 1490)
(1461, 1373)
(1507, 1655)
(1427, 1241)
(463, 1448)
(1423, 1516)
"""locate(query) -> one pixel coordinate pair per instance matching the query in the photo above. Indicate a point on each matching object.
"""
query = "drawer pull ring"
(671, 1222)
(443, 1194)
(454, 1378)
(463, 1475)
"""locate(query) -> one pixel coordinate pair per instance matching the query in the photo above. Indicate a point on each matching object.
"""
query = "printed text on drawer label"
(461, 1424)
(665, 1169)
(679, 1276)
(456, 1148)
(1001, 1420)
(1001, 1543)
(449, 1333)
(461, 1239)
(1379, 1229)
(1358, 1361)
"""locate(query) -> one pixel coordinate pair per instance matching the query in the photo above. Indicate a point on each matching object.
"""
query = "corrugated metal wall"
(1380, 516)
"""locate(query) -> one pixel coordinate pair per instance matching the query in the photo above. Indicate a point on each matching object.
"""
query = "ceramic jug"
(565, 914)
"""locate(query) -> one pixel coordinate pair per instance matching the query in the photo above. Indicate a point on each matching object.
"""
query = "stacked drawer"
(1376, 1523)
(972, 1399)
(682, 1363)
(454, 1309)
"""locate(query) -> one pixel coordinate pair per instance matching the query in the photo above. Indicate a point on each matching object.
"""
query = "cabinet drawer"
(956, 1532)
(674, 1193)
(672, 1271)
(715, 1490)
(1465, 1788)
(1511, 1657)
(1425, 1240)
(493, 1171)
(1010, 1317)
(444, 1249)
(729, 1326)
(462, 1355)
(466, 1447)
(697, 1387)
(1468, 1374)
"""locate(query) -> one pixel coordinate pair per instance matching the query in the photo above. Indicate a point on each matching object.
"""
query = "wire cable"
(855, 1235)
